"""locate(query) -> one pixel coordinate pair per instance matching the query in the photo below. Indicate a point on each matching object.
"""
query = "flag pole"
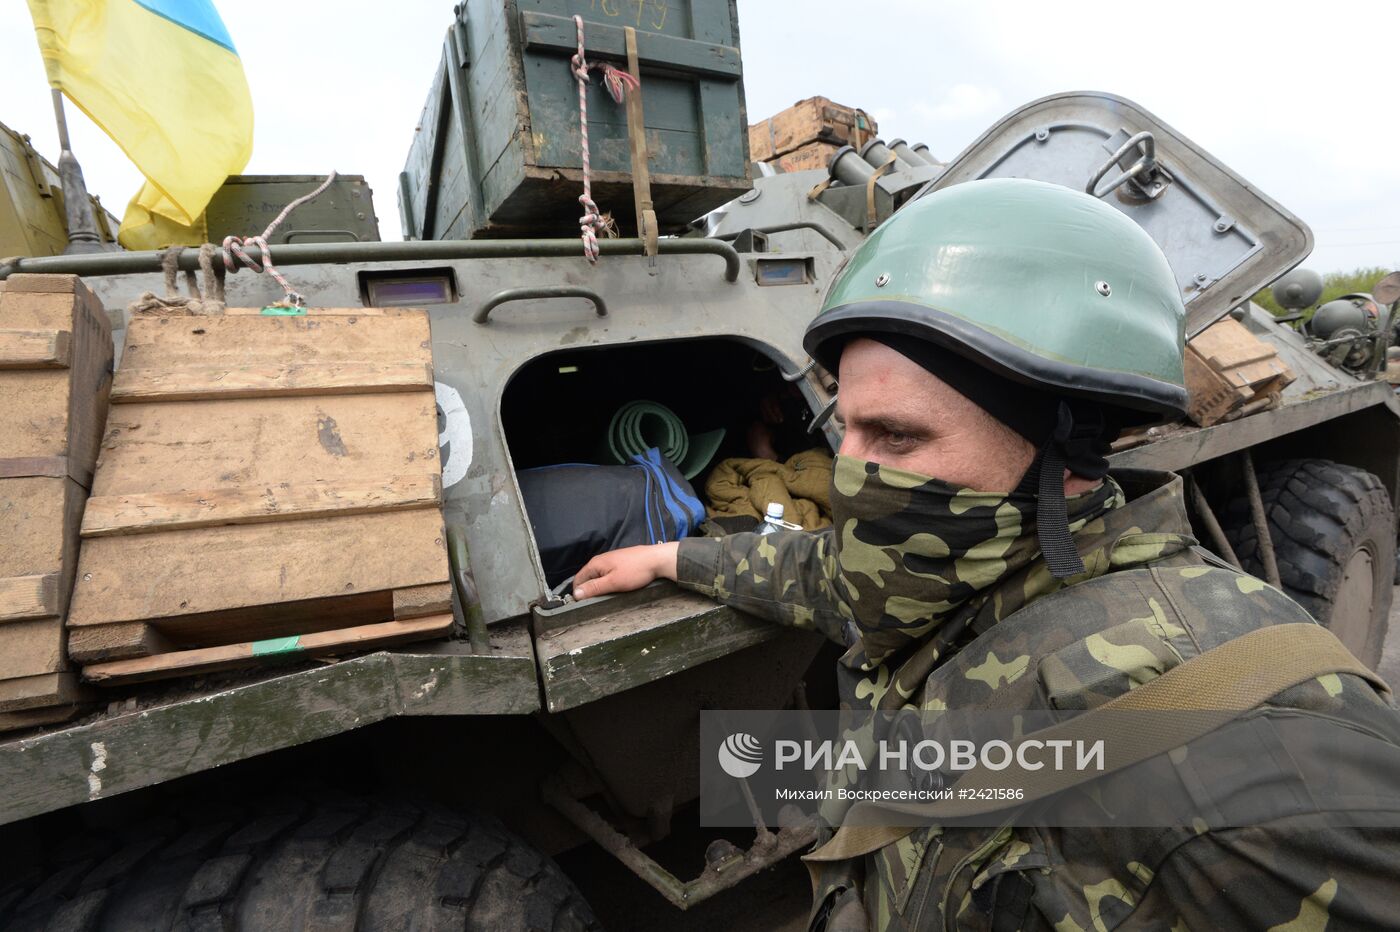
(77, 208)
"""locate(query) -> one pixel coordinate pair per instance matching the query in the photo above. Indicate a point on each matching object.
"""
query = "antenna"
(77, 208)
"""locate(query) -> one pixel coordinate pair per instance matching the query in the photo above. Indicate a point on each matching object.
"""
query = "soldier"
(991, 340)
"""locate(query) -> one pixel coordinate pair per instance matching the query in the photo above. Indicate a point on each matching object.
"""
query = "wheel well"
(1368, 439)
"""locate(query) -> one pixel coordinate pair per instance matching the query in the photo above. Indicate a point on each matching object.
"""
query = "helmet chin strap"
(1077, 443)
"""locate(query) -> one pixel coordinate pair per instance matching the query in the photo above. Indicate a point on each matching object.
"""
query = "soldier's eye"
(896, 439)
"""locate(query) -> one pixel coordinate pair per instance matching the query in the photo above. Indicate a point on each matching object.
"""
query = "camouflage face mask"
(912, 550)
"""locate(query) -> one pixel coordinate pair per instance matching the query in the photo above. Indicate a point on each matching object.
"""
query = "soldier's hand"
(626, 569)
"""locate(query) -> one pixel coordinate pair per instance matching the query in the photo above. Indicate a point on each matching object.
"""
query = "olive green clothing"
(1147, 603)
(747, 486)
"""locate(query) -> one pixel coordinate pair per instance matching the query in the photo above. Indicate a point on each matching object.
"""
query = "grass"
(1334, 285)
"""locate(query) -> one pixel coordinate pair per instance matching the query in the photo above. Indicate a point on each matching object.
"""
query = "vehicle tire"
(1333, 530)
(337, 864)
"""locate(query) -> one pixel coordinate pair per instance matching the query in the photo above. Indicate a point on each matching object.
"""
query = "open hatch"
(1224, 238)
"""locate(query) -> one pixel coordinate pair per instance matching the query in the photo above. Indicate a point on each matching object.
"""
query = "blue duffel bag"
(578, 510)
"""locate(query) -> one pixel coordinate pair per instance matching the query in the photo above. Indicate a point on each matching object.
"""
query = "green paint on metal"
(276, 645)
(503, 111)
(283, 310)
(51, 770)
(344, 214)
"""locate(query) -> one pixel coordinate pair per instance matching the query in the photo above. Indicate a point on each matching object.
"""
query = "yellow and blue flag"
(163, 79)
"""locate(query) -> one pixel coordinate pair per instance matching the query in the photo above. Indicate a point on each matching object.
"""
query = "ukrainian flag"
(163, 79)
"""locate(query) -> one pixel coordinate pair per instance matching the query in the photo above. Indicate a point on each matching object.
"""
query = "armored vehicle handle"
(483, 313)
(1145, 163)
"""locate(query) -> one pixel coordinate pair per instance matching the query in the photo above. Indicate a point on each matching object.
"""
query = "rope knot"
(617, 83)
(234, 253)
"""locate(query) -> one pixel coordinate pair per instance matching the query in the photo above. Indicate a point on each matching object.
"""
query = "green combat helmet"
(1045, 286)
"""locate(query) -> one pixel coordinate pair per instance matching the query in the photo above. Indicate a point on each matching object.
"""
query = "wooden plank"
(30, 692)
(112, 515)
(57, 412)
(547, 31)
(39, 518)
(331, 312)
(25, 467)
(211, 659)
(417, 601)
(249, 339)
(257, 622)
(91, 371)
(35, 420)
(761, 147)
(149, 577)
(35, 283)
(34, 349)
(220, 382)
(28, 597)
(805, 158)
(1228, 343)
(818, 119)
(1210, 396)
(36, 718)
(1250, 376)
(1237, 356)
(266, 443)
(115, 642)
(30, 648)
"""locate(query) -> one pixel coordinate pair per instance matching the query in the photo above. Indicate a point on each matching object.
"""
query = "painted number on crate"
(652, 11)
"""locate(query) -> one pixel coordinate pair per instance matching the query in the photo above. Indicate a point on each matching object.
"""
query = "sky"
(1302, 108)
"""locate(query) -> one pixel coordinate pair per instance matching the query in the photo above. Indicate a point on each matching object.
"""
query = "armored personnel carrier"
(536, 766)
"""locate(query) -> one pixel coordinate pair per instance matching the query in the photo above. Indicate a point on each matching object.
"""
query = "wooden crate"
(263, 480)
(815, 119)
(55, 372)
(498, 152)
(1228, 367)
(803, 158)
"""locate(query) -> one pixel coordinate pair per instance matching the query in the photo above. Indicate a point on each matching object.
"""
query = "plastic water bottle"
(773, 520)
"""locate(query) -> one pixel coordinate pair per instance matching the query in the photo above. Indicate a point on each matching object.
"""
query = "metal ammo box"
(497, 151)
(31, 202)
(246, 204)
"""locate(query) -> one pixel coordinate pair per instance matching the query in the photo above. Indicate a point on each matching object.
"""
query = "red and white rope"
(234, 252)
(617, 82)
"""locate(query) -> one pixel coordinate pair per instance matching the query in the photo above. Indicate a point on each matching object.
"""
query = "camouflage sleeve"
(786, 577)
(1293, 874)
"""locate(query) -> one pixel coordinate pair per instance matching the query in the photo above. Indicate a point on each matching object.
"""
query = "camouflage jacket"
(1147, 603)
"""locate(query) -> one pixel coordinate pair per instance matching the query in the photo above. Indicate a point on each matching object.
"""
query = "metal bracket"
(823, 416)
(786, 227)
(726, 865)
(1263, 541)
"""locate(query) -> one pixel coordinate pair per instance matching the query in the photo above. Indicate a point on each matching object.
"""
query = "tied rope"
(206, 295)
(234, 252)
(617, 83)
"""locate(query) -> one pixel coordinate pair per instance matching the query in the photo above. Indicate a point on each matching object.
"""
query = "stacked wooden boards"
(55, 372)
(267, 485)
(1227, 367)
(805, 135)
